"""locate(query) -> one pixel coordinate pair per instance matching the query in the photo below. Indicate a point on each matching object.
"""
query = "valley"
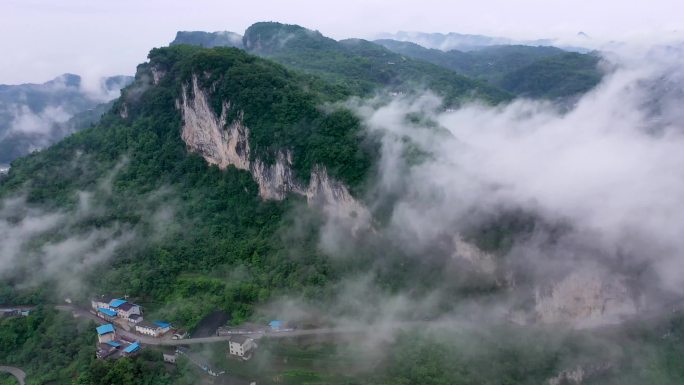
(279, 206)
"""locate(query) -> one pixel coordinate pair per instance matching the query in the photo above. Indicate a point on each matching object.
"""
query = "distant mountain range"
(33, 116)
(497, 72)
(531, 71)
(464, 42)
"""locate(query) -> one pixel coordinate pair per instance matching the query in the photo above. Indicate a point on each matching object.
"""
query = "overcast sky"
(41, 39)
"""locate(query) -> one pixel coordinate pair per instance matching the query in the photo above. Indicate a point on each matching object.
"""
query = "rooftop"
(108, 312)
(132, 348)
(113, 344)
(147, 324)
(239, 338)
(162, 324)
(126, 306)
(117, 302)
(104, 329)
(275, 324)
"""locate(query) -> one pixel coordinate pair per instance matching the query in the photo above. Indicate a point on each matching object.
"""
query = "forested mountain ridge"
(401, 66)
(232, 225)
(201, 189)
(208, 39)
(358, 65)
(542, 71)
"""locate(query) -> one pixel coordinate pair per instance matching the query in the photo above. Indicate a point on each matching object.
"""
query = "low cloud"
(584, 203)
(61, 247)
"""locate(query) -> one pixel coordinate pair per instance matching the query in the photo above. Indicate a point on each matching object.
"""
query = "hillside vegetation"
(538, 72)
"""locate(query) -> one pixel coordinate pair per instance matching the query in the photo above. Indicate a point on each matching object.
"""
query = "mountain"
(33, 116)
(357, 65)
(533, 71)
(221, 181)
(465, 42)
(189, 192)
(208, 39)
(402, 67)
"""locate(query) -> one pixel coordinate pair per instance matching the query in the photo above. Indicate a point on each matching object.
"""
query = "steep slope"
(540, 71)
(555, 76)
(152, 156)
(33, 116)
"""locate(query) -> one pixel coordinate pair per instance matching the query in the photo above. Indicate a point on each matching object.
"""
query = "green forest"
(204, 240)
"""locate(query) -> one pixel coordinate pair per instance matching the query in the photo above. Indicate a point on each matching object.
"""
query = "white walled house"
(147, 328)
(241, 346)
(154, 329)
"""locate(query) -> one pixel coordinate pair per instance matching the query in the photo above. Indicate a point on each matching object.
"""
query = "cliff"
(225, 143)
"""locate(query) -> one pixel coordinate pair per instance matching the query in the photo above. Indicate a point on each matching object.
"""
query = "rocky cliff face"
(226, 143)
(585, 299)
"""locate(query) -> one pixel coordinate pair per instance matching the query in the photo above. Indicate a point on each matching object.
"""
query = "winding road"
(16, 372)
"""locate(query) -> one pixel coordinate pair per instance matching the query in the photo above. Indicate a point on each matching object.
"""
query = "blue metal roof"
(132, 347)
(161, 324)
(117, 302)
(275, 324)
(104, 329)
(108, 312)
(113, 343)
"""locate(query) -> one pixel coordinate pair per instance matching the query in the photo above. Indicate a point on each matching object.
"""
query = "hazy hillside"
(33, 116)
(533, 71)
(467, 42)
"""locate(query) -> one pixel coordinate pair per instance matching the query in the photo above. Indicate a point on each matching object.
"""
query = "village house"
(180, 334)
(276, 325)
(15, 312)
(107, 349)
(170, 356)
(105, 333)
(131, 349)
(241, 346)
(106, 314)
(154, 329)
(123, 308)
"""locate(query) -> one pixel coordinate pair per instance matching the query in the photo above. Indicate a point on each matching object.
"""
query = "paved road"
(167, 341)
(16, 372)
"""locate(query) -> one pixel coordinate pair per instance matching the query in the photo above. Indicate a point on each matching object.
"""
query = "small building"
(105, 350)
(107, 314)
(154, 329)
(105, 333)
(241, 346)
(124, 308)
(180, 334)
(100, 302)
(170, 356)
(276, 325)
(131, 349)
(164, 327)
(9, 312)
(135, 319)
